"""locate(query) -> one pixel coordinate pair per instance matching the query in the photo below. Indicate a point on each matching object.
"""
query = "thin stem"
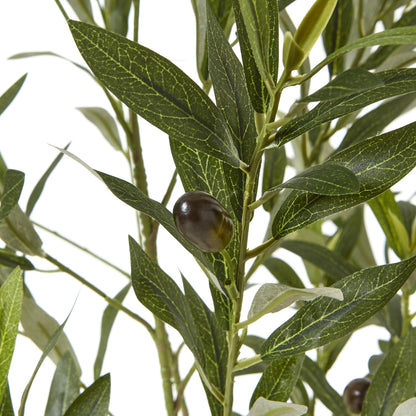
(181, 389)
(114, 303)
(248, 362)
(84, 249)
(61, 8)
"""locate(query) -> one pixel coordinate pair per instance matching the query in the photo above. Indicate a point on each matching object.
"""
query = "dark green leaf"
(82, 9)
(132, 196)
(230, 89)
(13, 185)
(347, 83)
(94, 400)
(9, 95)
(395, 380)
(116, 15)
(377, 120)
(38, 189)
(6, 407)
(258, 35)
(315, 377)
(107, 321)
(396, 82)
(378, 163)
(329, 261)
(337, 32)
(18, 233)
(278, 380)
(283, 272)
(324, 320)
(101, 118)
(284, 3)
(157, 90)
(11, 296)
(273, 173)
(64, 387)
(9, 259)
(408, 212)
(325, 179)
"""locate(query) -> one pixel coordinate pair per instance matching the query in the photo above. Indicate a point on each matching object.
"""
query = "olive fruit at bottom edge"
(203, 221)
(354, 394)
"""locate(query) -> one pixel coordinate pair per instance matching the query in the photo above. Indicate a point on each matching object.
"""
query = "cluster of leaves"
(220, 148)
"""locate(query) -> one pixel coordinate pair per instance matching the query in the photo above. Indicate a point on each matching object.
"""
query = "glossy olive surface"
(354, 394)
(203, 221)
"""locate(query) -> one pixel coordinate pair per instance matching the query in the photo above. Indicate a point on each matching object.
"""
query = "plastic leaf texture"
(264, 407)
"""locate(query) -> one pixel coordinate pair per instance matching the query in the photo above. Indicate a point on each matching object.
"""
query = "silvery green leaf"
(263, 407)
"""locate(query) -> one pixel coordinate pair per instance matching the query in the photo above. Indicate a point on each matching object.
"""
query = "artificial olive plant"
(240, 149)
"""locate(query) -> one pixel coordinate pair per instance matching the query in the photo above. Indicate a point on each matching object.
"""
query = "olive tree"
(307, 167)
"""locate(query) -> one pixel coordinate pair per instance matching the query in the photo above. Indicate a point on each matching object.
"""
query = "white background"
(78, 206)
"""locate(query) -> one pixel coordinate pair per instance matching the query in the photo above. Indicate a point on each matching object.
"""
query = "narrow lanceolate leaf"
(64, 387)
(312, 374)
(395, 82)
(132, 196)
(107, 321)
(324, 320)
(395, 380)
(13, 185)
(101, 118)
(83, 10)
(6, 406)
(349, 82)
(331, 262)
(378, 163)
(264, 407)
(8, 96)
(94, 401)
(231, 93)
(275, 162)
(278, 380)
(37, 190)
(9, 259)
(116, 15)
(283, 272)
(258, 35)
(156, 89)
(11, 296)
(324, 179)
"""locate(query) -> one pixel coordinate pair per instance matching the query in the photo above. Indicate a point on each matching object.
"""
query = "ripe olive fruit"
(203, 221)
(354, 394)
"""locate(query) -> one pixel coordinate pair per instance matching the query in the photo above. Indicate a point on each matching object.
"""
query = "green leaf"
(329, 261)
(18, 233)
(263, 407)
(9, 259)
(116, 15)
(395, 36)
(230, 89)
(406, 408)
(275, 162)
(312, 374)
(11, 296)
(258, 35)
(325, 179)
(278, 380)
(132, 196)
(347, 83)
(48, 348)
(82, 9)
(8, 96)
(94, 400)
(64, 387)
(283, 272)
(395, 380)
(13, 185)
(324, 320)
(378, 163)
(107, 321)
(337, 32)
(102, 119)
(271, 298)
(157, 90)
(390, 218)
(6, 407)
(38, 189)
(396, 82)
(377, 120)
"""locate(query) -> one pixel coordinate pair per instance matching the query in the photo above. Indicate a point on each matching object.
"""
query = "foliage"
(318, 164)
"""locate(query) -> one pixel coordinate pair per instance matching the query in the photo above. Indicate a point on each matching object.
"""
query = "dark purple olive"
(354, 394)
(203, 221)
